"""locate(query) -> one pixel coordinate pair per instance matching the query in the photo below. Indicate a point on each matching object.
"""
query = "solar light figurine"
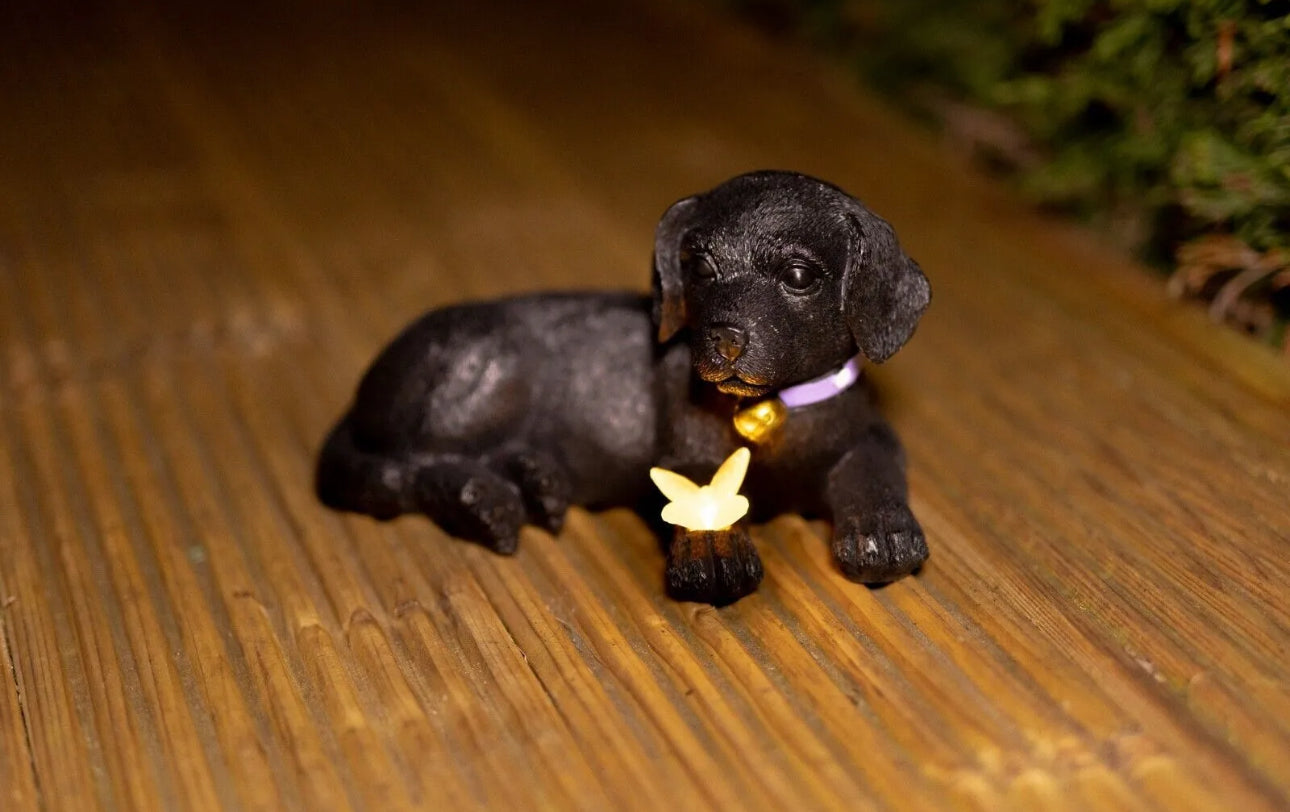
(771, 293)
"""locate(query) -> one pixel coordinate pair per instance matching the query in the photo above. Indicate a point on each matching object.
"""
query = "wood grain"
(214, 217)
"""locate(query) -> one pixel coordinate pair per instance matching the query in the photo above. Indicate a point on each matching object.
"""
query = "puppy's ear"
(668, 286)
(884, 291)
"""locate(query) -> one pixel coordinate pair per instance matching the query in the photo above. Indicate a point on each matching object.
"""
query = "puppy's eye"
(701, 268)
(798, 277)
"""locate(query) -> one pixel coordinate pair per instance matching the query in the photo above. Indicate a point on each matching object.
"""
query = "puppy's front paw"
(712, 566)
(880, 546)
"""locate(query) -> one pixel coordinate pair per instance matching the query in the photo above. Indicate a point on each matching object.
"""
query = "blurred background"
(1164, 122)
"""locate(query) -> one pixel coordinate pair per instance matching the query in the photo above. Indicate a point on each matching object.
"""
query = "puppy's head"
(780, 278)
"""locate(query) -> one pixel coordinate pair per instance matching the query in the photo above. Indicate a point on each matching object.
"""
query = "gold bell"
(759, 421)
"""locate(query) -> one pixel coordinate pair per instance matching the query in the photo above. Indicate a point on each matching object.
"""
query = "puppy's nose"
(730, 341)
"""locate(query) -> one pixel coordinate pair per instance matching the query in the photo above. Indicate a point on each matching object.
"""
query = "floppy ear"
(884, 291)
(668, 287)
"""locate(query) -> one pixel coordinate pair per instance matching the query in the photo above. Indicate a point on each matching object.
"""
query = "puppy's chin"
(734, 386)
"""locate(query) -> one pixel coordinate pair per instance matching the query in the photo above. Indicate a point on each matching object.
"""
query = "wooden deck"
(210, 221)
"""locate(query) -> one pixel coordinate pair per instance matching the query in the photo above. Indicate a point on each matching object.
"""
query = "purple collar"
(823, 387)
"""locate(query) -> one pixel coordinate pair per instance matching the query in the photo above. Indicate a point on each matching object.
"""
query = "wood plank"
(17, 770)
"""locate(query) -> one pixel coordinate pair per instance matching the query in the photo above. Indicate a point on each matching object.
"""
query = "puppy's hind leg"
(463, 496)
(543, 483)
(469, 500)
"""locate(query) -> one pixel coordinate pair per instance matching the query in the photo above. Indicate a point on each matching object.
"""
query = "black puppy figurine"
(770, 289)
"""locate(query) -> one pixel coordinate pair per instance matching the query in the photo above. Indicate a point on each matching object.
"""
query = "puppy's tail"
(348, 478)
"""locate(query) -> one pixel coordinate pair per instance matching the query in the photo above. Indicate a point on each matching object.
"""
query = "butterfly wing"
(730, 476)
(673, 485)
(681, 513)
(729, 510)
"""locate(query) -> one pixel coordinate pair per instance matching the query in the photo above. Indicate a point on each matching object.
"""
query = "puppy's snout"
(729, 341)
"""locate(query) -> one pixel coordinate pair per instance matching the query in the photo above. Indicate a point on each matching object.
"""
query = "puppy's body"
(570, 374)
(485, 416)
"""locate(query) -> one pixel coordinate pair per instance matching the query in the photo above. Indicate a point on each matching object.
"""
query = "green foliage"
(1174, 114)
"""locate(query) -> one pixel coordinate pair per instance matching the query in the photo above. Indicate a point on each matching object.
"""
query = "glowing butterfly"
(705, 507)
